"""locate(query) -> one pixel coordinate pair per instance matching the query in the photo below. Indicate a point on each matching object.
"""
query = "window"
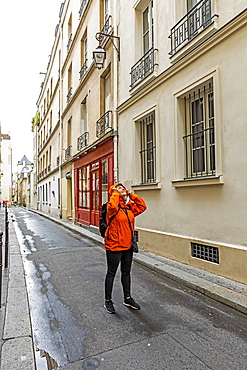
(69, 133)
(69, 83)
(107, 89)
(84, 116)
(50, 122)
(144, 44)
(147, 28)
(84, 56)
(199, 138)
(84, 187)
(50, 155)
(196, 17)
(69, 32)
(106, 8)
(104, 166)
(148, 149)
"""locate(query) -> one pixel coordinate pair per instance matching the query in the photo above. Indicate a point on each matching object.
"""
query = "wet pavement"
(177, 327)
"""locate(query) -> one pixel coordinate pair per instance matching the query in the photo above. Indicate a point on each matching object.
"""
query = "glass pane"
(145, 21)
(97, 191)
(145, 30)
(145, 43)
(104, 163)
(190, 4)
(198, 160)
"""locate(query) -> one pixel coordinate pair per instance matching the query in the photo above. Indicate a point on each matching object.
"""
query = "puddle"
(44, 361)
(56, 335)
(21, 240)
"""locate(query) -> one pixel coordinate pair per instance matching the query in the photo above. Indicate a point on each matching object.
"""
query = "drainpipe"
(115, 99)
(60, 118)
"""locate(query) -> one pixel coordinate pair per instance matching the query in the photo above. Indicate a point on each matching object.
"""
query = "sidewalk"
(17, 350)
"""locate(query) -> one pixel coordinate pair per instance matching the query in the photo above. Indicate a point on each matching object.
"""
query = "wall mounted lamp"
(99, 54)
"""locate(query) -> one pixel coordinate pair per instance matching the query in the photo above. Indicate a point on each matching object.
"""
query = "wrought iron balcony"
(82, 141)
(82, 7)
(68, 152)
(104, 124)
(69, 42)
(106, 29)
(194, 22)
(143, 68)
(69, 95)
(83, 70)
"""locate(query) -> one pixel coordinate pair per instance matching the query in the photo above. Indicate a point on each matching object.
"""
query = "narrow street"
(176, 328)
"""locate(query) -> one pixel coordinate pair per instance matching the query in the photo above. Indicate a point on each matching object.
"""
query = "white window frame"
(138, 182)
(184, 171)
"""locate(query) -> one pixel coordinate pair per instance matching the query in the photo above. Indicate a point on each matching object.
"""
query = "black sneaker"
(131, 303)
(109, 306)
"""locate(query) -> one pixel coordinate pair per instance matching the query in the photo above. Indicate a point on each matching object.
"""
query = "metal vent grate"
(205, 252)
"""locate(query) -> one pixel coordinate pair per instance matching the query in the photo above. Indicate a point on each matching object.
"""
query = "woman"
(124, 206)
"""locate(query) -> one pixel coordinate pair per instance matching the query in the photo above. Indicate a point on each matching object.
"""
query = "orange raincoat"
(118, 235)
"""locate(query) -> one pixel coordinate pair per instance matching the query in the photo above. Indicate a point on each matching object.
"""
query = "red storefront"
(93, 175)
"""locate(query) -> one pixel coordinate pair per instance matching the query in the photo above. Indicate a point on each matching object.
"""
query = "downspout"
(60, 119)
(115, 99)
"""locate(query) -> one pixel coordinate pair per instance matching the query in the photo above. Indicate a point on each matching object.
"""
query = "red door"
(95, 194)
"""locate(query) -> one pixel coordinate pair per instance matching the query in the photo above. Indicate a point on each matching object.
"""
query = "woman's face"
(121, 189)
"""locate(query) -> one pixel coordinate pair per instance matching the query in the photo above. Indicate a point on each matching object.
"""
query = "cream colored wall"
(214, 214)
(232, 258)
(197, 210)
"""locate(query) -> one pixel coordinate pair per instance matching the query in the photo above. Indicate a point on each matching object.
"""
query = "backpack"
(102, 219)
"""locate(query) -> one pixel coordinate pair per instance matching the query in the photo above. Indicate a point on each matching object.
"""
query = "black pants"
(113, 260)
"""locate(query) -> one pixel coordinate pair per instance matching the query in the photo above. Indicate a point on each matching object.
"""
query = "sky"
(27, 34)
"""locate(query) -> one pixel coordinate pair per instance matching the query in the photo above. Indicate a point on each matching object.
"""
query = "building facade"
(165, 116)
(181, 132)
(24, 182)
(6, 175)
(76, 129)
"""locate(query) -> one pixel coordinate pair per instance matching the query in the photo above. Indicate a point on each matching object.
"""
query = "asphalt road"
(176, 329)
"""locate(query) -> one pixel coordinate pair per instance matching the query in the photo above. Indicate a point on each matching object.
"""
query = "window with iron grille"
(148, 148)
(199, 138)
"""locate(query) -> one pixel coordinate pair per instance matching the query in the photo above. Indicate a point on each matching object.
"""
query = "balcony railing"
(104, 124)
(194, 22)
(83, 70)
(69, 95)
(68, 152)
(69, 42)
(106, 29)
(82, 141)
(82, 7)
(143, 68)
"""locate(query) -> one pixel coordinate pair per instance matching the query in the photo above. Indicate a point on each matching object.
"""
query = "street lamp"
(99, 54)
